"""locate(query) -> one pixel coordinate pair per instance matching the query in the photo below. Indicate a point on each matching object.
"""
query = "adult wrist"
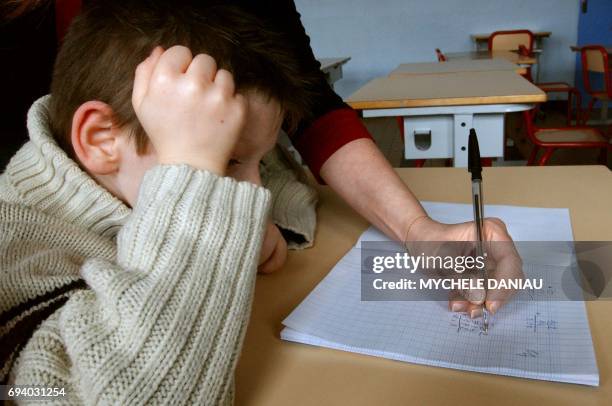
(421, 228)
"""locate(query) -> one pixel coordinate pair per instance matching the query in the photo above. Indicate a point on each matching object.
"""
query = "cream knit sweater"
(124, 306)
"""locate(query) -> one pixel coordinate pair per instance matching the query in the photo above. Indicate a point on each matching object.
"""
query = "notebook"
(537, 339)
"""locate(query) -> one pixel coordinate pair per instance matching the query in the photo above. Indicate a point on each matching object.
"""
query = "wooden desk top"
(457, 65)
(451, 89)
(274, 372)
(328, 63)
(511, 56)
(485, 37)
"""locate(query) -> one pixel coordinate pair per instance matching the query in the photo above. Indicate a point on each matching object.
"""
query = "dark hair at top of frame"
(107, 41)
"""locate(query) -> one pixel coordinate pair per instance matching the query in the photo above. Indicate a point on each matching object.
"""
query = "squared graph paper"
(538, 339)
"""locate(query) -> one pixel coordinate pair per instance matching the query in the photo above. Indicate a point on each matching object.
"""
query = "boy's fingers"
(203, 67)
(143, 74)
(225, 81)
(277, 259)
(173, 61)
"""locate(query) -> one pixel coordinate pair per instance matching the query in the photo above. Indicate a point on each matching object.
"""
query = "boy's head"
(92, 117)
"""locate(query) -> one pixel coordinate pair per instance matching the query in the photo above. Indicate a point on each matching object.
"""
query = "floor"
(387, 136)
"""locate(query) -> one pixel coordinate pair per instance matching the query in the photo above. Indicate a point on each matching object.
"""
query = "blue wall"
(594, 27)
(381, 34)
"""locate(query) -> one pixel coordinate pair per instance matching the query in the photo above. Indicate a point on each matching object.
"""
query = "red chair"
(514, 40)
(572, 94)
(551, 139)
(523, 40)
(595, 59)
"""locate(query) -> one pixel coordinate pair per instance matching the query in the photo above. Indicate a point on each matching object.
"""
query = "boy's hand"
(273, 251)
(188, 108)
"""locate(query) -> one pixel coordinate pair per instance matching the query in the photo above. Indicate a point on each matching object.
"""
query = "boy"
(129, 243)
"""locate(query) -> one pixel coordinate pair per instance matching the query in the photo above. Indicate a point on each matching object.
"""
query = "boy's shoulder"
(29, 235)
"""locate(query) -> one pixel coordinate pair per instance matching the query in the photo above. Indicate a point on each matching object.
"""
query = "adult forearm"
(362, 176)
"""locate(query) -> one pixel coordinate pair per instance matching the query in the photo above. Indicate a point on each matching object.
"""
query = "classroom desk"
(511, 56)
(458, 65)
(332, 68)
(439, 109)
(274, 372)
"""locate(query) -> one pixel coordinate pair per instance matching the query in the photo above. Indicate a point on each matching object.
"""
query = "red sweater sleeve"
(65, 11)
(326, 135)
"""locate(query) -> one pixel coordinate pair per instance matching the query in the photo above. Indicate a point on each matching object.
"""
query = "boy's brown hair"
(108, 40)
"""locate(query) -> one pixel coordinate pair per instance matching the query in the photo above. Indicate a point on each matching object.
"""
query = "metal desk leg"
(461, 128)
(490, 130)
(441, 132)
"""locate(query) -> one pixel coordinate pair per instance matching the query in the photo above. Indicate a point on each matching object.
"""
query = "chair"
(572, 94)
(514, 40)
(511, 40)
(551, 139)
(595, 60)
(523, 40)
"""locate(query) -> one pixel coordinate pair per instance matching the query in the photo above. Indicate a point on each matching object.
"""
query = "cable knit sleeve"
(164, 323)
(294, 201)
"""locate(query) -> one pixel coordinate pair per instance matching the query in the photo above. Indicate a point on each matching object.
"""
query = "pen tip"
(485, 321)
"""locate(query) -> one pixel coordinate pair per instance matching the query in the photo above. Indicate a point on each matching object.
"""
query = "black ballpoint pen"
(475, 168)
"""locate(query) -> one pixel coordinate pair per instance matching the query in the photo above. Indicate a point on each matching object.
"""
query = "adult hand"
(503, 261)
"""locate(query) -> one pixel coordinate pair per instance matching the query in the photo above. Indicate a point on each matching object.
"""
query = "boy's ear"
(95, 138)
